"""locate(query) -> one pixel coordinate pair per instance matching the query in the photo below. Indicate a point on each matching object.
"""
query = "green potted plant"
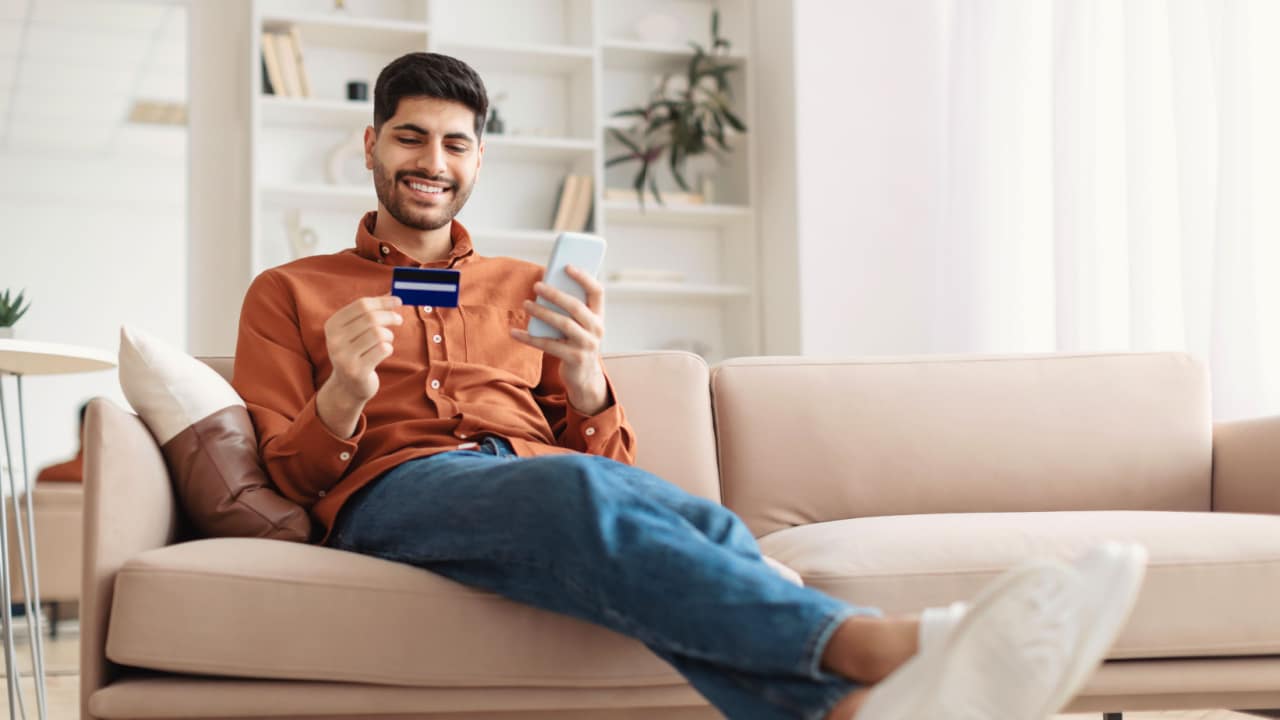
(687, 116)
(11, 310)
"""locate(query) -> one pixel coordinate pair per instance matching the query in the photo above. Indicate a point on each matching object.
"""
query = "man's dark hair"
(433, 75)
(83, 409)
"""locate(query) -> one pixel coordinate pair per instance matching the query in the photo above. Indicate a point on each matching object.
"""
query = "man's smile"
(426, 190)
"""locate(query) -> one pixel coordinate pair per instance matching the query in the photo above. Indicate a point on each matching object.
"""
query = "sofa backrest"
(666, 399)
(803, 440)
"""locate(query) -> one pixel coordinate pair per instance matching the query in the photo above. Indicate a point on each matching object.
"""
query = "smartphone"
(583, 251)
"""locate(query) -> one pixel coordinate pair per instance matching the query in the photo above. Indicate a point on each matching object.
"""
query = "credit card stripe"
(436, 287)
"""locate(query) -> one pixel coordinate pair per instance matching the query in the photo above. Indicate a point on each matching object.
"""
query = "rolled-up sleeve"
(607, 433)
(274, 375)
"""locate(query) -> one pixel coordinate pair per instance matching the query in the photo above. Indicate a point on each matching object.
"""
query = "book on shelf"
(581, 216)
(282, 56)
(568, 191)
(304, 82)
(288, 65)
(267, 87)
(271, 58)
(573, 210)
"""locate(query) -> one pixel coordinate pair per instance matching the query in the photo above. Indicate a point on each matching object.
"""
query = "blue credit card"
(422, 286)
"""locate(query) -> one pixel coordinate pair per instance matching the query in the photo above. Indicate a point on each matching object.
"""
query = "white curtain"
(1112, 182)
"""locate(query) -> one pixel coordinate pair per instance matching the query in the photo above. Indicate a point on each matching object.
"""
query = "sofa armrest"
(128, 508)
(1246, 466)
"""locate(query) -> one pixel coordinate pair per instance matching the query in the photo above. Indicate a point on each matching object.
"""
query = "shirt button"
(380, 261)
(437, 339)
(435, 384)
(426, 308)
(386, 250)
(462, 436)
(344, 455)
(591, 431)
(321, 493)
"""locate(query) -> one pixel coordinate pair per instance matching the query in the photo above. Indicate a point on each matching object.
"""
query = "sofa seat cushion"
(267, 609)
(1210, 587)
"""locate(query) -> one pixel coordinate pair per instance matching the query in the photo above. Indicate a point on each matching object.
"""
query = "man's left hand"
(579, 351)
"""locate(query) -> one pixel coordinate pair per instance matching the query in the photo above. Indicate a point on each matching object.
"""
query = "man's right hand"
(358, 338)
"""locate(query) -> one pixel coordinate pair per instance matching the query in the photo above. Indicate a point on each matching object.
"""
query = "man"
(450, 439)
(71, 470)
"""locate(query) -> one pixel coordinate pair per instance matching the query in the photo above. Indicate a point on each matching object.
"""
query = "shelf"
(339, 198)
(310, 112)
(629, 55)
(564, 66)
(699, 215)
(351, 33)
(518, 147)
(520, 58)
(676, 291)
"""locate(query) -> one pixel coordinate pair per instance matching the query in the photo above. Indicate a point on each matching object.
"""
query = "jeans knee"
(570, 482)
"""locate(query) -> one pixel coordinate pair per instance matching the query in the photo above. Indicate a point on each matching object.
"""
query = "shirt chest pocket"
(487, 333)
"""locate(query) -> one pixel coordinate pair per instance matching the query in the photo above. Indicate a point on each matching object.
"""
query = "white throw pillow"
(208, 442)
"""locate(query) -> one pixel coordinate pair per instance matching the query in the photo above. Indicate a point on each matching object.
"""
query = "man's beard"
(408, 212)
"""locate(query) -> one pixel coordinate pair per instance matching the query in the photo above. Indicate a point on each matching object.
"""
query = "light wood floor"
(62, 684)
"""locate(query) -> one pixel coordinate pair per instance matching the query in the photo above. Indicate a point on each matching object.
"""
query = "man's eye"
(409, 141)
(458, 148)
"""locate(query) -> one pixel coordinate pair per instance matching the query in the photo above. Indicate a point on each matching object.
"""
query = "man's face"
(425, 161)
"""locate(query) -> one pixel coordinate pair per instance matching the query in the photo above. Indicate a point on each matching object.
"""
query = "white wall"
(863, 143)
(92, 208)
(96, 241)
(868, 109)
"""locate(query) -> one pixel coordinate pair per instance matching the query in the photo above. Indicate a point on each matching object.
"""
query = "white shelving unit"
(556, 70)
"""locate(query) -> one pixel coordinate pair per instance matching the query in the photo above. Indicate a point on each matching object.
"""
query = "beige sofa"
(897, 483)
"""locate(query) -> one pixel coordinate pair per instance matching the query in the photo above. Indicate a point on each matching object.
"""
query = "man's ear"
(370, 136)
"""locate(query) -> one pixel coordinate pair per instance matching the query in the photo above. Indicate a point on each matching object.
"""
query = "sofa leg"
(1112, 716)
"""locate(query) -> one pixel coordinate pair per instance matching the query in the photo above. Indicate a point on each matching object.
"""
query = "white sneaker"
(1112, 576)
(1023, 649)
(937, 622)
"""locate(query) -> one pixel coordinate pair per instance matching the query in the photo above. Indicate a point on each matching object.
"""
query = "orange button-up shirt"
(454, 375)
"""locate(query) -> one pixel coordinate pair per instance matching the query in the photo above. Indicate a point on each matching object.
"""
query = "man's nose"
(431, 159)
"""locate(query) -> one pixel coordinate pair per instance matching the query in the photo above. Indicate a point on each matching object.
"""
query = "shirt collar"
(371, 248)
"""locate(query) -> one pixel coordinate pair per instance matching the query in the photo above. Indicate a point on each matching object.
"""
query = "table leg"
(12, 680)
(33, 597)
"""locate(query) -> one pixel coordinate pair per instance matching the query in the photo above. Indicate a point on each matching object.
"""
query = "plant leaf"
(718, 134)
(622, 138)
(639, 182)
(733, 120)
(620, 159)
(677, 174)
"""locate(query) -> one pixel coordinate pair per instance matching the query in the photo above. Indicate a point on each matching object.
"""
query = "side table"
(19, 358)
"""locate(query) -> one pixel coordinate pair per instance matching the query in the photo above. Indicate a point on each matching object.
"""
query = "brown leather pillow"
(208, 442)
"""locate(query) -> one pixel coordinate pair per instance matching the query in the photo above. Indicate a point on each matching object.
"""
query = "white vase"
(6, 332)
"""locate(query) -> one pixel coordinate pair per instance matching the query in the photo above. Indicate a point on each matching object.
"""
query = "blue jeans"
(616, 546)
